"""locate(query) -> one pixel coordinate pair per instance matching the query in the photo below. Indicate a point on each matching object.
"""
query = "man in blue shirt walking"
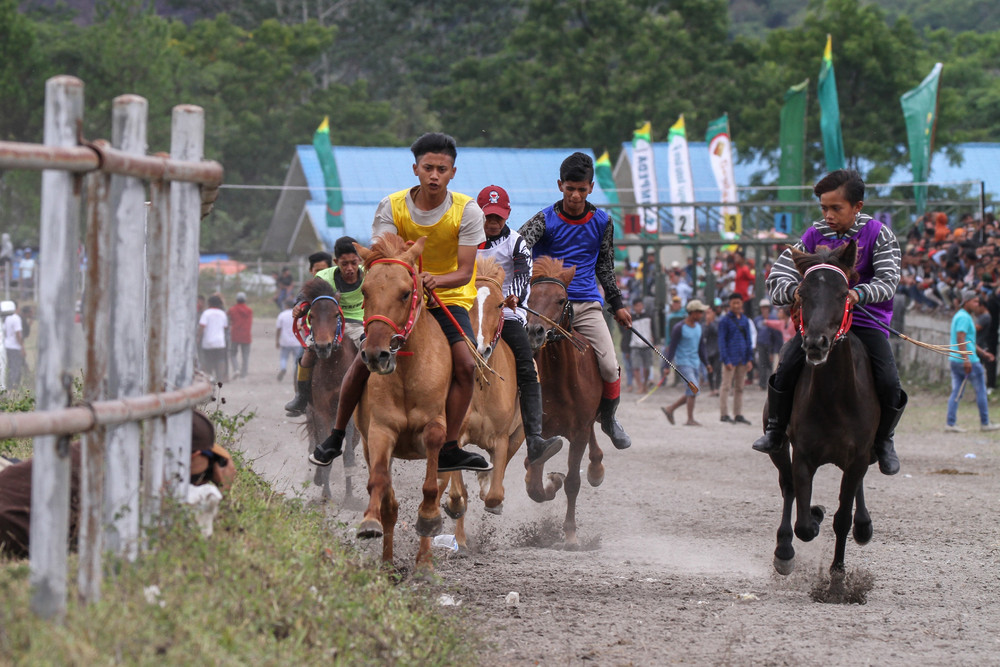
(687, 350)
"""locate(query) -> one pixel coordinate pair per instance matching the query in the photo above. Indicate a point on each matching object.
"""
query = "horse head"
(549, 299)
(325, 318)
(393, 295)
(825, 314)
(487, 312)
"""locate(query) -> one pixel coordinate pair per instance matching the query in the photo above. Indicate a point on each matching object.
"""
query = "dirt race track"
(675, 565)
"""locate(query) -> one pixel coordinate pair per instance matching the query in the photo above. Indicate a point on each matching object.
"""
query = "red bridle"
(847, 319)
(402, 333)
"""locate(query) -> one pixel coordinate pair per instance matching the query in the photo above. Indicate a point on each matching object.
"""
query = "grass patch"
(270, 587)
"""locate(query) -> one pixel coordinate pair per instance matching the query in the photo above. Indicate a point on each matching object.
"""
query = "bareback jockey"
(345, 276)
(841, 197)
(508, 249)
(580, 234)
(453, 226)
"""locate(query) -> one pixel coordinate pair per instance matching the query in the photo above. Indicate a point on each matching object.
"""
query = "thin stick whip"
(691, 385)
(946, 350)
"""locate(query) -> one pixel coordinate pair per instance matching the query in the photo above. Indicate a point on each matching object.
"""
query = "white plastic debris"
(747, 596)
(204, 500)
(513, 599)
(970, 455)
(446, 600)
(445, 542)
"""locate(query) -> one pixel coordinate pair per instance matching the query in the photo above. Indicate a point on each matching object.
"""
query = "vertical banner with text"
(920, 113)
(644, 177)
(720, 155)
(681, 181)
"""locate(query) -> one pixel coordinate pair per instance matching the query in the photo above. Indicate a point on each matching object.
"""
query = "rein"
(402, 333)
(848, 317)
(566, 314)
(302, 326)
(499, 331)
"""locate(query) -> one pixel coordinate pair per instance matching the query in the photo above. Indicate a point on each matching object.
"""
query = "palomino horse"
(323, 330)
(494, 421)
(835, 409)
(571, 389)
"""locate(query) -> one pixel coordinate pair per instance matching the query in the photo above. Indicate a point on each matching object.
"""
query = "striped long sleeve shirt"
(784, 278)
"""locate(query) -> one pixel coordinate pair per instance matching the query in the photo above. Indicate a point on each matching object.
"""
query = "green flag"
(602, 171)
(920, 112)
(829, 112)
(791, 169)
(331, 181)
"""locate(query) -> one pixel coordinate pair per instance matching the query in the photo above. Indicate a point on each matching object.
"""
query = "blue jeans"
(977, 379)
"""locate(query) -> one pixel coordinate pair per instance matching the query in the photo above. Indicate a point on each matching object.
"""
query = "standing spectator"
(26, 274)
(992, 337)
(284, 283)
(212, 326)
(984, 324)
(710, 336)
(768, 342)
(284, 338)
(736, 355)
(13, 343)
(687, 350)
(968, 369)
(240, 325)
(625, 344)
(641, 354)
(6, 252)
(743, 278)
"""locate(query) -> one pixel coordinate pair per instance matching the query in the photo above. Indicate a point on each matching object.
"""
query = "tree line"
(509, 73)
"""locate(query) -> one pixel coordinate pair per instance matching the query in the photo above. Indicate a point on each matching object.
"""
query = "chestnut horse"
(494, 420)
(571, 388)
(835, 410)
(324, 332)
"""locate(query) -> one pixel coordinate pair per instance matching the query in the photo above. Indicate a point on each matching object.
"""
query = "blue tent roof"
(368, 174)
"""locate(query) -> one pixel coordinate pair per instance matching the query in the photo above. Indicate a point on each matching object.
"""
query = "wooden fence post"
(157, 324)
(60, 219)
(127, 202)
(187, 140)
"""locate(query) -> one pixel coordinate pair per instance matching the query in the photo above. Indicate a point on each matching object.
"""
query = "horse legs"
(494, 490)
(350, 464)
(576, 449)
(784, 552)
(379, 454)
(390, 512)
(533, 484)
(849, 484)
(862, 521)
(595, 471)
(429, 513)
(807, 518)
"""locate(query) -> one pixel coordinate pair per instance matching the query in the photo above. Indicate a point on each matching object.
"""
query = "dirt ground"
(677, 544)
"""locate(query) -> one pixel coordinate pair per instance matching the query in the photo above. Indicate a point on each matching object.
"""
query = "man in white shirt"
(26, 274)
(212, 327)
(13, 342)
(284, 338)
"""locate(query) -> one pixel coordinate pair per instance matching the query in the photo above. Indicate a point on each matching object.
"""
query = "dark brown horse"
(571, 389)
(334, 353)
(835, 409)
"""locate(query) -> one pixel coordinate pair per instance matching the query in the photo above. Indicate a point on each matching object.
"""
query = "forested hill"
(507, 73)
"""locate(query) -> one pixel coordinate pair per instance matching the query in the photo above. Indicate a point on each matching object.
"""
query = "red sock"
(612, 390)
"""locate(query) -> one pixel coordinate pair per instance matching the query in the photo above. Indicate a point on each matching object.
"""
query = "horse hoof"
(818, 512)
(784, 567)
(428, 527)
(369, 530)
(451, 514)
(595, 474)
(557, 478)
(863, 532)
(571, 546)
(497, 511)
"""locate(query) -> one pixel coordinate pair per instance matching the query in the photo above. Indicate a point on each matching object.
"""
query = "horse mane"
(316, 287)
(825, 255)
(487, 267)
(386, 246)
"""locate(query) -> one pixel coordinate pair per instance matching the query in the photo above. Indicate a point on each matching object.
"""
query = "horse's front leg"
(576, 450)
(595, 471)
(378, 451)
(807, 518)
(784, 552)
(390, 513)
(495, 492)
(862, 521)
(429, 513)
(849, 484)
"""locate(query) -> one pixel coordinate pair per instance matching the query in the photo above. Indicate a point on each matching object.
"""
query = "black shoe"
(610, 425)
(740, 419)
(726, 418)
(779, 411)
(456, 458)
(297, 406)
(541, 450)
(885, 449)
(326, 451)
(281, 375)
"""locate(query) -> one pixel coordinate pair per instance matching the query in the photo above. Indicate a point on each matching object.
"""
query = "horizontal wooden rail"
(82, 418)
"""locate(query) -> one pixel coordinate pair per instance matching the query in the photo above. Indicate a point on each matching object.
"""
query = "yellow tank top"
(441, 251)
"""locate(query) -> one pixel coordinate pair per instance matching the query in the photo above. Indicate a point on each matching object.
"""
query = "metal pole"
(60, 221)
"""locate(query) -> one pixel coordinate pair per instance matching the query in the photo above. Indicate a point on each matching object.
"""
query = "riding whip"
(946, 350)
(691, 385)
